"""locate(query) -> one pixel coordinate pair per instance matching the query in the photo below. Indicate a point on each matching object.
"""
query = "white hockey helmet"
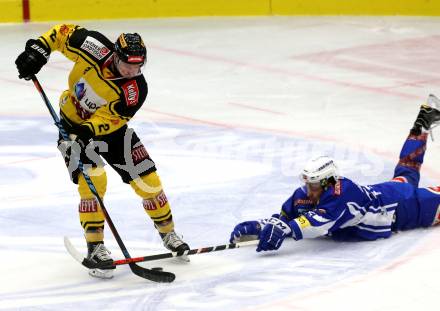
(321, 170)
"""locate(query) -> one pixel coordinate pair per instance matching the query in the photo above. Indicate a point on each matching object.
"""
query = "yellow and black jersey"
(97, 103)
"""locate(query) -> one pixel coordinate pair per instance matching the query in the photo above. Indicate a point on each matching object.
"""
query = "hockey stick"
(90, 264)
(152, 275)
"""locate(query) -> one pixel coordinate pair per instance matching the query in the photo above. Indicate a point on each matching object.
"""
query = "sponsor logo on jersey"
(86, 100)
(88, 206)
(104, 51)
(80, 111)
(95, 48)
(162, 199)
(64, 30)
(79, 90)
(149, 205)
(139, 154)
(131, 92)
(303, 202)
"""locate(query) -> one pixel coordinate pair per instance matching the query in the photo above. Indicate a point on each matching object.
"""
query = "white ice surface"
(235, 107)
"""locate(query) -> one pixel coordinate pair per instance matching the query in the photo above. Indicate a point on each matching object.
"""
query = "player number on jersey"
(103, 127)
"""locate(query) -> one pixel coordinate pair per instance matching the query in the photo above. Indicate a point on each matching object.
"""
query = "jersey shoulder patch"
(95, 48)
(134, 91)
(131, 93)
(92, 43)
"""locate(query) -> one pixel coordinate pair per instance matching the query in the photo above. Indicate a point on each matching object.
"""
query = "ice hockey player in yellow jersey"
(106, 89)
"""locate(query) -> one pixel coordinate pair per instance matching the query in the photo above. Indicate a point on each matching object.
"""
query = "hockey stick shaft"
(142, 272)
(196, 251)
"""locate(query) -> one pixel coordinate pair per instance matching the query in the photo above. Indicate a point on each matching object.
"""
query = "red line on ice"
(256, 108)
(288, 72)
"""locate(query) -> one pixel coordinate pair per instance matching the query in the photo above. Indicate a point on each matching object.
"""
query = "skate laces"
(172, 239)
(101, 252)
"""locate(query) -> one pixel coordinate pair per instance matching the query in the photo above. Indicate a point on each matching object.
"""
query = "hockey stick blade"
(77, 255)
(152, 275)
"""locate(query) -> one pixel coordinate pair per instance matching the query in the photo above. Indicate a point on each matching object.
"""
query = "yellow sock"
(90, 213)
(154, 201)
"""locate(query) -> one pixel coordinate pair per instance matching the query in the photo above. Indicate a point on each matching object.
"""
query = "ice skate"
(174, 243)
(98, 253)
(428, 117)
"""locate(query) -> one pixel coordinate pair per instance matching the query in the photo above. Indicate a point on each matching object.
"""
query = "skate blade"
(185, 258)
(182, 259)
(101, 274)
(430, 131)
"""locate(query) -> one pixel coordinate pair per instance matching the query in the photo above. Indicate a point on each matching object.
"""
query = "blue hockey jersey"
(348, 211)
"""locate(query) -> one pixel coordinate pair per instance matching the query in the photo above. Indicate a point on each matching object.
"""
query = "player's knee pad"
(99, 179)
(155, 202)
(92, 219)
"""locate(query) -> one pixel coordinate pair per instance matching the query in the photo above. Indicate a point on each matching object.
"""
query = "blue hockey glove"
(245, 231)
(273, 235)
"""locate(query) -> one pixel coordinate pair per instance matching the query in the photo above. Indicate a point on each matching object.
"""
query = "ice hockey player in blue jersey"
(330, 205)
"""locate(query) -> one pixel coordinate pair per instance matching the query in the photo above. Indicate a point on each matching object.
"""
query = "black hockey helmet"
(130, 48)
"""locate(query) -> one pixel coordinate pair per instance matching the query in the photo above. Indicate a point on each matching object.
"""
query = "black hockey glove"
(34, 57)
